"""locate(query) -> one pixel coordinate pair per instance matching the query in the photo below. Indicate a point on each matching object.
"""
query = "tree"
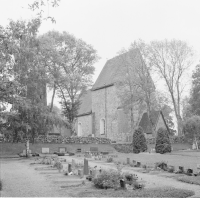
(139, 141)
(162, 104)
(135, 86)
(171, 59)
(195, 92)
(70, 64)
(163, 144)
(191, 129)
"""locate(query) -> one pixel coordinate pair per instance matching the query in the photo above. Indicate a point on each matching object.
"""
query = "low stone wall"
(61, 139)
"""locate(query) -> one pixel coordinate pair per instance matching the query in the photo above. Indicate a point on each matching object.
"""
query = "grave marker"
(69, 168)
(128, 160)
(73, 164)
(86, 168)
(198, 166)
(62, 149)
(45, 150)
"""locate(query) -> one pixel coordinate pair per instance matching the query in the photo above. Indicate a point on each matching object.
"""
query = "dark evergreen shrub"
(139, 141)
(163, 144)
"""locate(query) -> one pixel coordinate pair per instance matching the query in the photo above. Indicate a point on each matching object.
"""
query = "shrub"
(107, 179)
(191, 129)
(163, 144)
(162, 165)
(109, 159)
(139, 141)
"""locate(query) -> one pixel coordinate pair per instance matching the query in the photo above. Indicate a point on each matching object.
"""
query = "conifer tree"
(163, 144)
(139, 141)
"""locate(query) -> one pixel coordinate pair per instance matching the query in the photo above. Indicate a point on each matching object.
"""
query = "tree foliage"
(70, 67)
(191, 129)
(163, 144)
(139, 141)
(171, 59)
(23, 77)
(195, 92)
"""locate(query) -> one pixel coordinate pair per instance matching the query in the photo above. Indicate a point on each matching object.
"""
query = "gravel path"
(21, 180)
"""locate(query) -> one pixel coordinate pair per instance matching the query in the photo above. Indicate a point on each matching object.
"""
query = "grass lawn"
(154, 192)
(175, 158)
(190, 179)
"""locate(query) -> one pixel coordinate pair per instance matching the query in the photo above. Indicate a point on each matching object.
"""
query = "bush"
(109, 159)
(107, 179)
(163, 144)
(139, 141)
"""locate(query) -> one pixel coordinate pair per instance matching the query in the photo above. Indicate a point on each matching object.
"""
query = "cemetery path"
(21, 180)
(150, 181)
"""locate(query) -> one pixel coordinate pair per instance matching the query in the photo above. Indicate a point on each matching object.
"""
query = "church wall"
(86, 125)
(104, 105)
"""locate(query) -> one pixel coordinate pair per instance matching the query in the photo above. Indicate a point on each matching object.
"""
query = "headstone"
(86, 168)
(79, 172)
(181, 169)
(73, 164)
(62, 150)
(69, 168)
(122, 183)
(138, 164)
(128, 160)
(91, 172)
(45, 150)
(198, 166)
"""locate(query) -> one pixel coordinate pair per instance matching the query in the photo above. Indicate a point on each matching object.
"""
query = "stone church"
(101, 113)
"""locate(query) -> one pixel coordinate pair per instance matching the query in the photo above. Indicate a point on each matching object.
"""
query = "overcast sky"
(110, 25)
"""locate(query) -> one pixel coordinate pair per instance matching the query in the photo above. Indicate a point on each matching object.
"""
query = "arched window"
(79, 129)
(102, 126)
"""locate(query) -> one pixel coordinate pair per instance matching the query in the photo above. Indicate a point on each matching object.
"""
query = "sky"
(110, 25)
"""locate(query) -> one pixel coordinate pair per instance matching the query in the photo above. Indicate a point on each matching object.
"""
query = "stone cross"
(86, 168)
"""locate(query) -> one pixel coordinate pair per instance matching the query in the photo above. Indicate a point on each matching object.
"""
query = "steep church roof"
(148, 125)
(108, 75)
(86, 104)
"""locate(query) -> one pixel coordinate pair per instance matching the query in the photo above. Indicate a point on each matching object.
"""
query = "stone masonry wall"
(86, 123)
(104, 104)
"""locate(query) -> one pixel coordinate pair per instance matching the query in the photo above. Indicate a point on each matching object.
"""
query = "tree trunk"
(52, 99)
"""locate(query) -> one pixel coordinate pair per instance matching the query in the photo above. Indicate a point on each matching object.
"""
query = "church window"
(102, 127)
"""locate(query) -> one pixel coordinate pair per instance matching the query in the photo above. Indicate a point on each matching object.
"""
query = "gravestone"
(122, 183)
(62, 149)
(73, 164)
(79, 172)
(128, 160)
(138, 164)
(45, 150)
(86, 168)
(181, 169)
(69, 168)
(198, 166)
(91, 172)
